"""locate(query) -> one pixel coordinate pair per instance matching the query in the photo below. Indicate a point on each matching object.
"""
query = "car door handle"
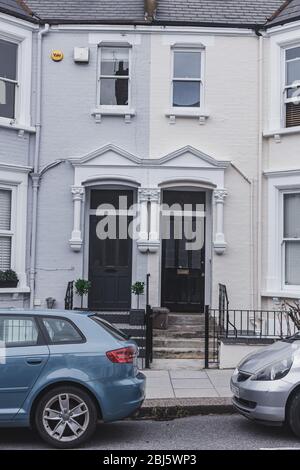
(34, 361)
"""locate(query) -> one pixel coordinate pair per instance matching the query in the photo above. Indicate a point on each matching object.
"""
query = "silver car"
(266, 384)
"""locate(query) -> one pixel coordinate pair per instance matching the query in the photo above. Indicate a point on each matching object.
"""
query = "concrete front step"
(178, 353)
(168, 342)
(180, 319)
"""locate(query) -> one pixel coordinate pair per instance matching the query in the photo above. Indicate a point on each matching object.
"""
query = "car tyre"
(293, 417)
(66, 417)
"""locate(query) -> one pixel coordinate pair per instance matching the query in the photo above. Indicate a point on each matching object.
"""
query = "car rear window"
(112, 330)
(61, 330)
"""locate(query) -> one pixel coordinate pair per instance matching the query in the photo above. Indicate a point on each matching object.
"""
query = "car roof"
(46, 312)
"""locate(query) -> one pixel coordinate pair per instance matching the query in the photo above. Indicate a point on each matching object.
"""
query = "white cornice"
(283, 28)
(276, 173)
(18, 22)
(156, 29)
(15, 168)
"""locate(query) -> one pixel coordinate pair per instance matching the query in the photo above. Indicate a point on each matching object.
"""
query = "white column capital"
(220, 195)
(149, 194)
(77, 193)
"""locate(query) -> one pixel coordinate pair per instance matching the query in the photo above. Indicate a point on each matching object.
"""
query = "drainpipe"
(259, 169)
(35, 175)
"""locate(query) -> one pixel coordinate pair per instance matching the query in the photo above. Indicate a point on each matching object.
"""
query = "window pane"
(8, 60)
(114, 61)
(187, 64)
(293, 53)
(292, 263)
(186, 94)
(7, 99)
(5, 209)
(5, 253)
(292, 216)
(18, 331)
(114, 91)
(293, 71)
(61, 330)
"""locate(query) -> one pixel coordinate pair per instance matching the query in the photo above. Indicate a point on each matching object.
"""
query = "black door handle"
(34, 362)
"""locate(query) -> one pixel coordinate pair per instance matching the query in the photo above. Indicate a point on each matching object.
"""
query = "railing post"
(206, 332)
(149, 328)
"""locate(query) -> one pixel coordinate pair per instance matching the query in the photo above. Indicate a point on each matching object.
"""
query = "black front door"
(110, 259)
(183, 263)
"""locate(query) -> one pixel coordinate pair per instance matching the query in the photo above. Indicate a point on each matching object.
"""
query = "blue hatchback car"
(62, 371)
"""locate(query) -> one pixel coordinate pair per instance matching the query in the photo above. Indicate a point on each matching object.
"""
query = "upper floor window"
(291, 238)
(292, 86)
(114, 76)
(187, 78)
(8, 78)
(6, 233)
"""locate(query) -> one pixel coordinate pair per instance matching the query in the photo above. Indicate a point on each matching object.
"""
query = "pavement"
(217, 432)
(175, 393)
(185, 383)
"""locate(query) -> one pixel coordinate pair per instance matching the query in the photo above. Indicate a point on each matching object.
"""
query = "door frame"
(208, 238)
(86, 230)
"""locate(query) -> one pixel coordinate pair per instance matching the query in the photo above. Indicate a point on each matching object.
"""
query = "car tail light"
(122, 355)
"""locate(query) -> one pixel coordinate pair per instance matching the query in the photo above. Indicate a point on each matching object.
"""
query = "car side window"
(61, 330)
(16, 331)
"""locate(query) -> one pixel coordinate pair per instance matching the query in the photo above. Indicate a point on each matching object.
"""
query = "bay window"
(8, 78)
(114, 77)
(292, 87)
(187, 78)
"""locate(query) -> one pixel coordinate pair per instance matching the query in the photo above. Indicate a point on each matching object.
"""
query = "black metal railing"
(148, 328)
(258, 324)
(69, 296)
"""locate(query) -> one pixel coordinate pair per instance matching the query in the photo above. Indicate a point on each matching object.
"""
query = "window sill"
(9, 124)
(282, 131)
(173, 113)
(282, 294)
(14, 290)
(122, 111)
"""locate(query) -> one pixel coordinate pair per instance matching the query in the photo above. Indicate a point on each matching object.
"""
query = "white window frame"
(11, 233)
(20, 33)
(15, 82)
(114, 109)
(15, 178)
(197, 49)
(283, 240)
(286, 87)
(279, 183)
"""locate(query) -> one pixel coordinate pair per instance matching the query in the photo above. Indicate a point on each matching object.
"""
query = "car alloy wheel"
(66, 416)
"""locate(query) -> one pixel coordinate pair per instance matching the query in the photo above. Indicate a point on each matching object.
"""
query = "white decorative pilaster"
(149, 223)
(76, 237)
(219, 241)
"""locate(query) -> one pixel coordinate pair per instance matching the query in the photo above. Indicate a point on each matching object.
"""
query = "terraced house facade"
(156, 102)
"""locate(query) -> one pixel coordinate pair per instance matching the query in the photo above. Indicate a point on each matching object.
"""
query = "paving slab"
(196, 393)
(192, 383)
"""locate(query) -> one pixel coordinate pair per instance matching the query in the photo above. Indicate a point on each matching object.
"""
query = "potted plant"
(138, 289)
(8, 279)
(82, 287)
(137, 316)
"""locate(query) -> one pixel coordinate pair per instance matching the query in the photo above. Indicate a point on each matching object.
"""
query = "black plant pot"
(137, 316)
(8, 284)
